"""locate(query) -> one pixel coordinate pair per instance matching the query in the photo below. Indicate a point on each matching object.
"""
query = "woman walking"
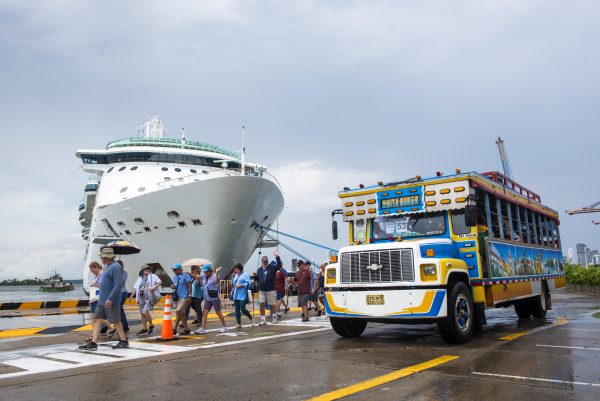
(239, 294)
(95, 272)
(212, 298)
(146, 293)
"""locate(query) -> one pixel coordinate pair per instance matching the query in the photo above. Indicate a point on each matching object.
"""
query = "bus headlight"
(428, 272)
(331, 276)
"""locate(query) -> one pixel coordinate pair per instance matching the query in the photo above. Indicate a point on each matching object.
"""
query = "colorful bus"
(442, 250)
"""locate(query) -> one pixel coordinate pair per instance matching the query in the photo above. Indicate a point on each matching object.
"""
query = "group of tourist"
(196, 290)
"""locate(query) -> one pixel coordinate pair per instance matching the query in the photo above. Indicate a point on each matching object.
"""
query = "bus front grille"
(378, 266)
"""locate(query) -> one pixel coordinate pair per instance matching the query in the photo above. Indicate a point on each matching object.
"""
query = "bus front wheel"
(348, 327)
(457, 327)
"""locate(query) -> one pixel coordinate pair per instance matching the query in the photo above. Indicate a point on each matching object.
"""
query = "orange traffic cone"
(166, 334)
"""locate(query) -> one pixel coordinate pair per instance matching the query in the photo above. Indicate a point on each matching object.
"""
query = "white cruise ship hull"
(215, 217)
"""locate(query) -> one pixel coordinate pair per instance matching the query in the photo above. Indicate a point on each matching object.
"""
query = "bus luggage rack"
(378, 266)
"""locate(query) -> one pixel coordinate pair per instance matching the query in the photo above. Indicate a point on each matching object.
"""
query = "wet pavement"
(551, 359)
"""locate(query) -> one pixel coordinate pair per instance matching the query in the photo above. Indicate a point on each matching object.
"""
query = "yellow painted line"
(377, 381)
(87, 327)
(514, 335)
(560, 320)
(20, 332)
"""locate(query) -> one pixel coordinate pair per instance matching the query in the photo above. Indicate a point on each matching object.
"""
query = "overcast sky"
(333, 94)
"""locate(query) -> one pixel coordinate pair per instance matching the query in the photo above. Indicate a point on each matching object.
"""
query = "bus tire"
(348, 327)
(457, 327)
(523, 308)
(539, 305)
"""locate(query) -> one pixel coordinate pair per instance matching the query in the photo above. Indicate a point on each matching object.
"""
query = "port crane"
(593, 208)
(504, 158)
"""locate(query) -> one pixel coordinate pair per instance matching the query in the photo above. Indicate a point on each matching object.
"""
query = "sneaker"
(175, 333)
(253, 322)
(141, 332)
(200, 331)
(286, 310)
(305, 319)
(238, 326)
(186, 331)
(90, 346)
(279, 315)
(151, 329)
(121, 344)
(319, 312)
(275, 318)
(195, 321)
(224, 329)
(263, 323)
(111, 333)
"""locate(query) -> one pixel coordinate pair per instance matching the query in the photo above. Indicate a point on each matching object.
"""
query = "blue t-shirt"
(209, 284)
(197, 289)
(266, 277)
(240, 294)
(110, 284)
(181, 285)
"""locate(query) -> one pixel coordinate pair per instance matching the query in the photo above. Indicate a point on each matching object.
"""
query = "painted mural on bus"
(510, 260)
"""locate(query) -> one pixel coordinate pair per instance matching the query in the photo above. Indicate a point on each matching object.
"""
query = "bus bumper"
(387, 304)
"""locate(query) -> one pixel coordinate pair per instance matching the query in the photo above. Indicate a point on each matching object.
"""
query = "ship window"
(127, 232)
(121, 224)
(134, 168)
(164, 169)
(178, 169)
(141, 189)
(204, 172)
(167, 178)
(265, 218)
(196, 222)
(122, 168)
(139, 221)
(147, 229)
(182, 224)
(123, 189)
(232, 221)
(110, 169)
(173, 214)
(193, 171)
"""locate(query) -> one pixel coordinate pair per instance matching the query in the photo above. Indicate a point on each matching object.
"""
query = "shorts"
(216, 303)
(266, 297)
(112, 314)
(146, 306)
(313, 297)
(280, 295)
(181, 305)
(303, 299)
(93, 307)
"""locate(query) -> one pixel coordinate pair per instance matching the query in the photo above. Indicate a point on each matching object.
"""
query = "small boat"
(56, 284)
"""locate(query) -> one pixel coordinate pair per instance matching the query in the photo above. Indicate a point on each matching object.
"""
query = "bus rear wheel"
(540, 305)
(523, 308)
(348, 327)
(457, 327)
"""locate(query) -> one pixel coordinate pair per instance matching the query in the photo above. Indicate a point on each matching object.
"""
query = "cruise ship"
(175, 199)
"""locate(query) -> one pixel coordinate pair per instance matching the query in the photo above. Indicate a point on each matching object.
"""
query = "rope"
(264, 229)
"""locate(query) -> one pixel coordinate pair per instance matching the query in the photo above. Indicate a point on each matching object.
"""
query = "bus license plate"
(375, 299)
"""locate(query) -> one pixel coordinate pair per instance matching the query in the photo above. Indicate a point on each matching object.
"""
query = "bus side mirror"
(470, 215)
(334, 230)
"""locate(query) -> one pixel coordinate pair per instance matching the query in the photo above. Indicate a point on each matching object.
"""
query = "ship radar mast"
(153, 128)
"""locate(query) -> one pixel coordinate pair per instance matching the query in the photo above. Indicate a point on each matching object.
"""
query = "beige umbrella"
(195, 262)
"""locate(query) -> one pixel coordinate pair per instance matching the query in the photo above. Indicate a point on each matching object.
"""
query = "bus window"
(419, 225)
(458, 223)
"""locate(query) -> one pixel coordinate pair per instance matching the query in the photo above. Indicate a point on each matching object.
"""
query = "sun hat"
(107, 253)
(144, 267)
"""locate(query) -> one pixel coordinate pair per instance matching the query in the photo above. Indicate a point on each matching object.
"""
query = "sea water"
(28, 293)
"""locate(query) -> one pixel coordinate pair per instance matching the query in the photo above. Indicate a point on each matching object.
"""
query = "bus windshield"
(415, 225)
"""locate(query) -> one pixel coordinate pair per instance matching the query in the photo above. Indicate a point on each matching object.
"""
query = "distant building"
(593, 257)
(582, 254)
(570, 256)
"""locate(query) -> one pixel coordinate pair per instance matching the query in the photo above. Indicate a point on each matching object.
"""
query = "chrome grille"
(397, 265)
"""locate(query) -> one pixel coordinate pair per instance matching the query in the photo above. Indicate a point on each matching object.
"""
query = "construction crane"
(595, 208)
(504, 158)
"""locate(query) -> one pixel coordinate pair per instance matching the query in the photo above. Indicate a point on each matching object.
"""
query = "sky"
(332, 93)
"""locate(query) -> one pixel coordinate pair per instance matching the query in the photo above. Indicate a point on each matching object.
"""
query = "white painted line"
(568, 347)
(29, 360)
(539, 379)
(83, 357)
(37, 365)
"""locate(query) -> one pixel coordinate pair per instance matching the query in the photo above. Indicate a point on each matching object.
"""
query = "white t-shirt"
(151, 281)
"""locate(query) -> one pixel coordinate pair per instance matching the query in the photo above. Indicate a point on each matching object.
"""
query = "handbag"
(213, 293)
(94, 294)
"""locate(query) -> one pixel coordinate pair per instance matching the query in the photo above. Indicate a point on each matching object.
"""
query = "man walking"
(266, 280)
(182, 291)
(302, 278)
(280, 280)
(109, 307)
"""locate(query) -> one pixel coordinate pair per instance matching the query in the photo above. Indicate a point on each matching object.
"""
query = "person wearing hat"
(182, 292)
(212, 297)
(146, 293)
(109, 301)
(266, 280)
